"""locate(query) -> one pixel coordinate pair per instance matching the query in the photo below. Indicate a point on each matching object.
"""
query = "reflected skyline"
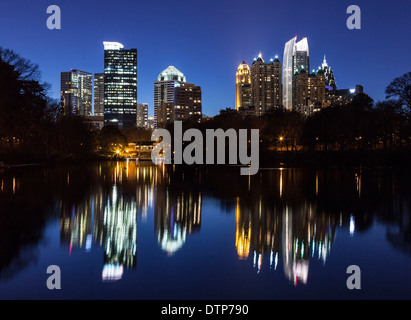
(283, 221)
(297, 234)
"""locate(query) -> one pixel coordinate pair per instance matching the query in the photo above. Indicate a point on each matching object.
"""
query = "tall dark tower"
(76, 92)
(266, 84)
(120, 85)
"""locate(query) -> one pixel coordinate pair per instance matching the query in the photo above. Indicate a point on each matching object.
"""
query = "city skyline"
(213, 60)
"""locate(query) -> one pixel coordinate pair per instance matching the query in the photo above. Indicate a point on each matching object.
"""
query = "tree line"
(361, 124)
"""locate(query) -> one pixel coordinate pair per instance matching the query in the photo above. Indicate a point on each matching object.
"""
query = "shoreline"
(269, 159)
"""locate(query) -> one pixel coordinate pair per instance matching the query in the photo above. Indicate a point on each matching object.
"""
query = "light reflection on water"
(282, 220)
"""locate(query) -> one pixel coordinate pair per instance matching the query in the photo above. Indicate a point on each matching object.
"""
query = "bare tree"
(400, 88)
(25, 69)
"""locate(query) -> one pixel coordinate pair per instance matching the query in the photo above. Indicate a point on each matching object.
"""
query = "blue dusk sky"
(207, 40)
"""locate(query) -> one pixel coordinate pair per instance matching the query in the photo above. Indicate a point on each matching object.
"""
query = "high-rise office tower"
(99, 94)
(76, 92)
(142, 115)
(265, 84)
(243, 93)
(120, 85)
(301, 57)
(151, 122)
(167, 80)
(308, 91)
(187, 101)
(329, 76)
(296, 56)
(165, 114)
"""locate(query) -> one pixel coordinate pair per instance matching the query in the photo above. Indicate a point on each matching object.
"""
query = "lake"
(127, 230)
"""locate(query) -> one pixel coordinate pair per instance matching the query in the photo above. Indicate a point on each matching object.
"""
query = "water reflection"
(120, 235)
(283, 218)
(295, 232)
(108, 217)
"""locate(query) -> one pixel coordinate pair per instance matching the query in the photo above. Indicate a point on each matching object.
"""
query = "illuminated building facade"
(296, 56)
(164, 87)
(243, 92)
(151, 122)
(76, 92)
(308, 91)
(120, 85)
(99, 94)
(342, 97)
(165, 114)
(187, 101)
(301, 56)
(266, 84)
(142, 115)
(329, 76)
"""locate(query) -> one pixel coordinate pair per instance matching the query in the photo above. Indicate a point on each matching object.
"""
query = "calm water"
(127, 231)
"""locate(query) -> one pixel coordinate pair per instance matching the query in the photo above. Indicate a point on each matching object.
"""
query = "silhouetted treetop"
(400, 88)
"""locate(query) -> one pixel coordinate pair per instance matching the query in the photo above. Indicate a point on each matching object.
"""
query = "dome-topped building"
(172, 74)
(243, 87)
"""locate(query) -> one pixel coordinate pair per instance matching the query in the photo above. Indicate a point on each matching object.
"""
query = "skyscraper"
(296, 56)
(99, 94)
(167, 80)
(165, 114)
(142, 115)
(243, 93)
(76, 92)
(301, 56)
(151, 122)
(120, 85)
(329, 76)
(187, 101)
(308, 91)
(265, 84)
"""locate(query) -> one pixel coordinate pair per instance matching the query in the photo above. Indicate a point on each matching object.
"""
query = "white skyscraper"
(296, 57)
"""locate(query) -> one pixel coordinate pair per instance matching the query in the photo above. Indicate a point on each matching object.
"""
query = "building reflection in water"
(120, 236)
(177, 212)
(293, 230)
(106, 216)
(283, 218)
